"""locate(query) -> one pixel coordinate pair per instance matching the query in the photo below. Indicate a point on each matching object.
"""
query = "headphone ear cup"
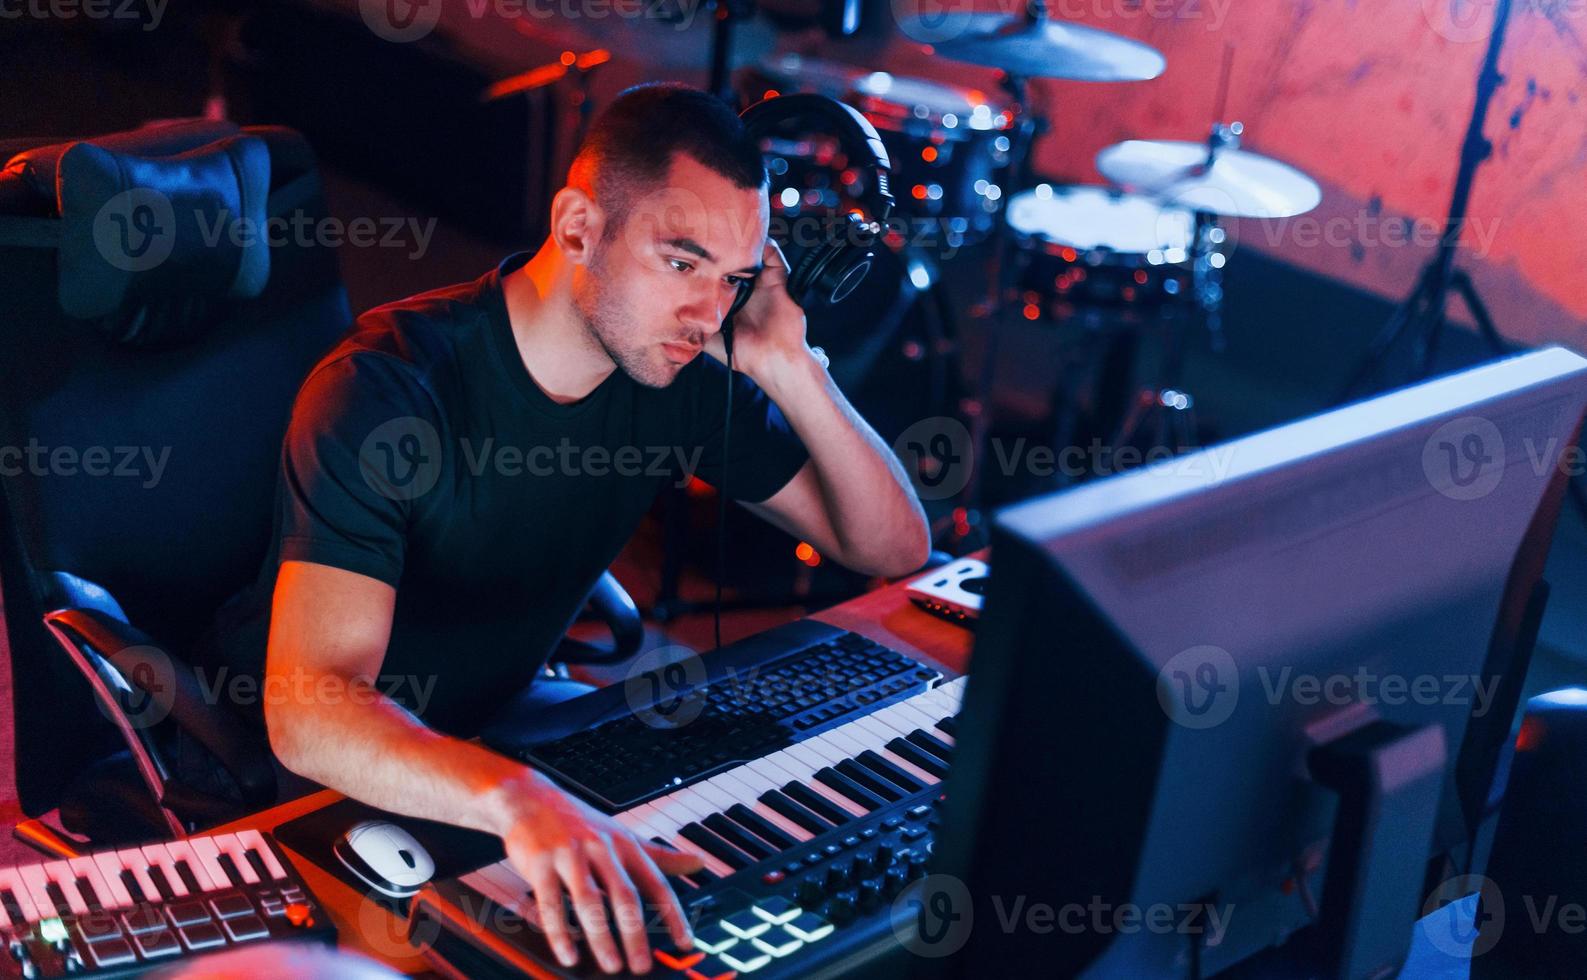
(744, 291)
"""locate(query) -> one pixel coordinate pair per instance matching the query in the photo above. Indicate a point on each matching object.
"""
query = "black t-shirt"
(422, 453)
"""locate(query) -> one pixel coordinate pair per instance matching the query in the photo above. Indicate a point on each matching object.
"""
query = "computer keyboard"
(699, 730)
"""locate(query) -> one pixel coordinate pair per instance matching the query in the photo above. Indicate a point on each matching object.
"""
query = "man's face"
(654, 292)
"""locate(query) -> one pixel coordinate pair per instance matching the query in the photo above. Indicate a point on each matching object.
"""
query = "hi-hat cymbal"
(1238, 183)
(1036, 48)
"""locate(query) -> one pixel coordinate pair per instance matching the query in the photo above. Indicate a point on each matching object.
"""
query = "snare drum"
(1086, 247)
(949, 146)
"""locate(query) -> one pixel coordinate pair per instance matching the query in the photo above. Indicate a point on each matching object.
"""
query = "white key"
(133, 860)
(33, 879)
(654, 822)
(892, 718)
(61, 873)
(158, 857)
(715, 795)
(229, 844)
(745, 780)
(925, 778)
(919, 718)
(110, 870)
(182, 850)
(11, 880)
(771, 816)
(846, 742)
(206, 850)
(692, 799)
(254, 841)
(110, 895)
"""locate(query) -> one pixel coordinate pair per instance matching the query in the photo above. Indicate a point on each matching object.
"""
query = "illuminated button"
(810, 927)
(187, 913)
(202, 935)
(143, 919)
(246, 927)
(300, 915)
(713, 938)
(227, 906)
(777, 942)
(162, 943)
(746, 960)
(745, 924)
(776, 910)
(52, 930)
(677, 961)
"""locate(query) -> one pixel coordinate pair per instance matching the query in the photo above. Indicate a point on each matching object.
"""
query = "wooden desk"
(884, 615)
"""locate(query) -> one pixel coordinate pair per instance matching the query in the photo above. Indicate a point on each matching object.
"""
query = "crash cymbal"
(1036, 47)
(1237, 184)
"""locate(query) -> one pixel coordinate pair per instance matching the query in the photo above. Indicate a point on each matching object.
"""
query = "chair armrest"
(140, 685)
(612, 604)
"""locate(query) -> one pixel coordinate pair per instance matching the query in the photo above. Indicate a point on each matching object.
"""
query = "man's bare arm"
(328, 636)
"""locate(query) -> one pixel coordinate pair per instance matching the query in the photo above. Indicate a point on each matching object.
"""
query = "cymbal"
(1036, 48)
(1238, 184)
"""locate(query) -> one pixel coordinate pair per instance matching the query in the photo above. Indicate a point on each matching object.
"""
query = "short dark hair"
(630, 145)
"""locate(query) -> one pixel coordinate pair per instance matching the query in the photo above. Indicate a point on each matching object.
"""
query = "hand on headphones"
(770, 328)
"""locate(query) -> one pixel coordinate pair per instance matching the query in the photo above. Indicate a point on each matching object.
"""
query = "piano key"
(761, 827)
(135, 887)
(894, 774)
(162, 887)
(57, 898)
(932, 744)
(15, 913)
(906, 749)
(196, 878)
(20, 906)
(726, 792)
(110, 876)
(232, 847)
(160, 857)
(697, 879)
(919, 718)
(860, 795)
(949, 725)
(62, 874)
(86, 889)
(795, 811)
(712, 864)
(209, 859)
(255, 842)
(714, 846)
(870, 781)
(751, 797)
(819, 750)
(37, 887)
(726, 829)
(828, 802)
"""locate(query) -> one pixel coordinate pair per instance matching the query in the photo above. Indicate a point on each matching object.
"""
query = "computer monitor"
(1237, 700)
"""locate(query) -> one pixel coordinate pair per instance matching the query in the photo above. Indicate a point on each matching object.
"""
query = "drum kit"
(1145, 249)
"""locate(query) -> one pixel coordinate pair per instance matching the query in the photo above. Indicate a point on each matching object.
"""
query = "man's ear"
(576, 224)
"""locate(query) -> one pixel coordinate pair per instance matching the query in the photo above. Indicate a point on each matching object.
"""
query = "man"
(431, 548)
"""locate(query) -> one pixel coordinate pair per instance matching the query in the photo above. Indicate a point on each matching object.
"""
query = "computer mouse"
(385, 857)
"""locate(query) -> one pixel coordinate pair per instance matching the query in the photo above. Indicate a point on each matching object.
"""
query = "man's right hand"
(561, 846)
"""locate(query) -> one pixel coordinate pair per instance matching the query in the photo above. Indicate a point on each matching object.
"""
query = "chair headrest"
(148, 245)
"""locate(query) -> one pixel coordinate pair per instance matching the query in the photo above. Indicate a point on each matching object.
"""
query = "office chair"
(113, 559)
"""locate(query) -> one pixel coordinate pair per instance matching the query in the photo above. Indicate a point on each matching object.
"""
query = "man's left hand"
(770, 330)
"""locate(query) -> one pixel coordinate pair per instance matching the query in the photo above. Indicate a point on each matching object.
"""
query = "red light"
(1140, 276)
(928, 154)
(918, 192)
(1068, 254)
(804, 551)
(770, 93)
(568, 58)
(1032, 311)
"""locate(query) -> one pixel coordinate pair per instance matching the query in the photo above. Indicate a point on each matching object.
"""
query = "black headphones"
(828, 269)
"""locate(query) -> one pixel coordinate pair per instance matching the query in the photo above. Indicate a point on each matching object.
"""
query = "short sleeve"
(361, 453)
(763, 452)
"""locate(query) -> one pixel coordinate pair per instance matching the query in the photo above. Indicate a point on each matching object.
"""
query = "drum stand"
(1421, 315)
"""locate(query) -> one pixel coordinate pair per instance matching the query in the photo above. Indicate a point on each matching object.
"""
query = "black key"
(849, 788)
(949, 725)
(188, 878)
(13, 910)
(227, 865)
(882, 767)
(735, 835)
(714, 846)
(698, 879)
(864, 777)
(157, 875)
(129, 882)
(259, 867)
(62, 906)
(819, 804)
(795, 811)
(910, 752)
(86, 889)
(932, 744)
(761, 827)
